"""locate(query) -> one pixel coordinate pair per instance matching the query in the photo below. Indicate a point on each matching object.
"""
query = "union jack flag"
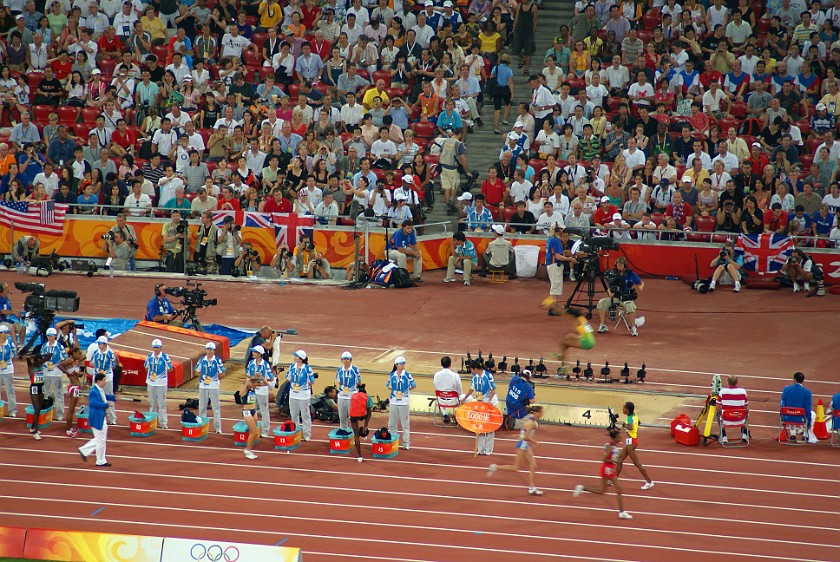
(244, 218)
(44, 217)
(300, 225)
(765, 253)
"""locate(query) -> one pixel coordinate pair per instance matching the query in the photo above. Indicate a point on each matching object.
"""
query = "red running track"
(434, 502)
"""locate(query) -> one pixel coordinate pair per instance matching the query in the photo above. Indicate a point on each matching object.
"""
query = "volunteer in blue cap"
(400, 383)
(158, 365)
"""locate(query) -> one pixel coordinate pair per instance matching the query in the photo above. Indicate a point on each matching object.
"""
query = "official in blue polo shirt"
(209, 369)
(797, 396)
(402, 245)
(520, 395)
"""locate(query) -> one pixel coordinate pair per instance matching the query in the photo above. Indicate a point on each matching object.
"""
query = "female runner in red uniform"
(608, 473)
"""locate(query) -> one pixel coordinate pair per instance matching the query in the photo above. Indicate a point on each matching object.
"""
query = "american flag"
(765, 253)
(43, 217)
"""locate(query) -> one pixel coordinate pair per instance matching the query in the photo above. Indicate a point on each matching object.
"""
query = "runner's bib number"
(628, 441)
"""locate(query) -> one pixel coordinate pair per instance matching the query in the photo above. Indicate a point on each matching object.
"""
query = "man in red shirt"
(680, 210)
(493, 188)
(122, 140)
(603, 214)
(110, 46)
(277, 203)
(228, 201)
(709, 75)
(776, 220)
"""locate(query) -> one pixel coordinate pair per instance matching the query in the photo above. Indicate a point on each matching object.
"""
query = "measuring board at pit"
(577, 415)
(568, 414)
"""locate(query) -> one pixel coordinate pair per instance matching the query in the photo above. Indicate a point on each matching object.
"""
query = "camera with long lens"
(253, 254)
(107, 236)
(41, 306)
(182, 227)
(792, 259)
(228, 221)
(617, 282)
(613, 419)
(723, 253)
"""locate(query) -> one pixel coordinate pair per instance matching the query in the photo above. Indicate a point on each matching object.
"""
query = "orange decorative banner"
(73, 546)
(11, 542)
(478, 417)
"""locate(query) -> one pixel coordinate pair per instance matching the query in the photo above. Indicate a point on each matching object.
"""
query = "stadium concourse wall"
(79, 546)
(82, 239)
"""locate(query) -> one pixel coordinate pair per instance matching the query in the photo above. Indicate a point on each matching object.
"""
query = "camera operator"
(623, 291)
(800, 267)
(176, 242)
(160, 308)
(228, 245)
(26, 249)
(283, 261)
(119, 251)
(205, 244)
(264, 337)
(129, 235)
(319, 267)
(727, 266)
(248, 262)
(558, 253)
(67, 335)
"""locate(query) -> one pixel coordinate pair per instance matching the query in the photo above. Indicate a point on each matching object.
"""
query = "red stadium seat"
(394, 93)
(425, 130)
(725, 123)
(537, 164)
(507, 213)
(804, 127)
(294, 90)
(34, 80)
(705, 224)
(739, 110)
(763, 25)
(160, 51)
(89, 115)
(82, 130)
(67, 114)
(644, 35)
(382, 75)
(806, 160)
(41, 113)
(252, 58)
(657, 218)
(259, 38)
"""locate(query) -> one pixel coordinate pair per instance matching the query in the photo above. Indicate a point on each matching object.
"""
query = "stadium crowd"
(652, 121)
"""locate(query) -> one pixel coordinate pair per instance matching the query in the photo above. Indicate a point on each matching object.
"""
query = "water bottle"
(20, 268)
(111, 272)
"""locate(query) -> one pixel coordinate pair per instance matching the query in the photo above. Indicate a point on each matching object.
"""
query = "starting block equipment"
(793, 426)
(735, 420)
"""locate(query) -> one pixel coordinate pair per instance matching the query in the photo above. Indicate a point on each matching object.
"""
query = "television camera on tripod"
(41, 307)
(588, 252)
(193, 297)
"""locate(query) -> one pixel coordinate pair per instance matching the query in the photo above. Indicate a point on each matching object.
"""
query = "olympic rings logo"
(214, 553)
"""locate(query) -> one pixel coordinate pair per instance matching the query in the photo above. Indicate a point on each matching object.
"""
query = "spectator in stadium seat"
(732, 397)
(797, 396)
(681, 211)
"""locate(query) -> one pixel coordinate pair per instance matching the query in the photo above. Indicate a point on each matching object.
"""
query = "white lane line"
(399, 525)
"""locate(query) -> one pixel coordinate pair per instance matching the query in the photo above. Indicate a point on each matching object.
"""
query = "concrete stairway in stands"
(483, 145)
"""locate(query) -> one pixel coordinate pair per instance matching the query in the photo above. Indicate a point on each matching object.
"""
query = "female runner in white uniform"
(525, 449)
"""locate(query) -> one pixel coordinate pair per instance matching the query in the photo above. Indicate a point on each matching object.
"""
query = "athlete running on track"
(582, 337)
(525, 449)
(609, 474)
(631, 426)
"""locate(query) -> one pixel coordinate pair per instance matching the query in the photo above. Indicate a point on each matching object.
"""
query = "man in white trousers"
(209, 369)
(97, 404)
(158, 366)
(7, 370)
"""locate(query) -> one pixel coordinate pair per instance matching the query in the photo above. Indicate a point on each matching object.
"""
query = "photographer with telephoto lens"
(176, 242)
(119, 250)
(801, 268)
(228, 245)
(624, 286)
(205, 245)
(727, 266)
(128, 233)
(248, 262)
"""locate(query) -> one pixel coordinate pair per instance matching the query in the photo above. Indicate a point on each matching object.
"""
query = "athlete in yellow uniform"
(631, 428)
(583, 336)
